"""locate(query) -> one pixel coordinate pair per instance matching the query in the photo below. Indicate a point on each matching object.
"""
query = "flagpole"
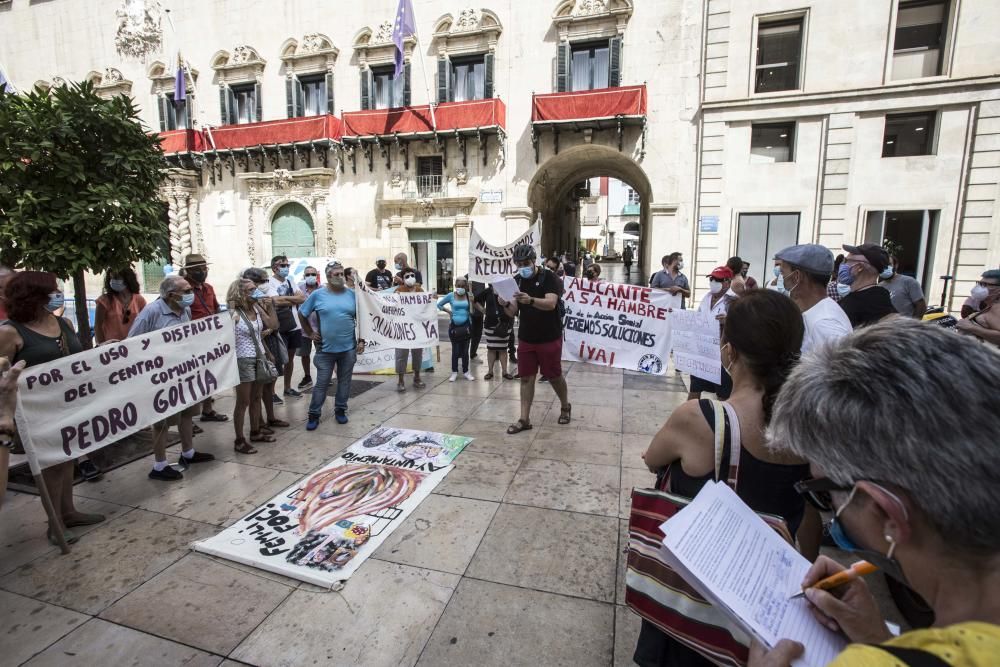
(423, 67)
(188, 77)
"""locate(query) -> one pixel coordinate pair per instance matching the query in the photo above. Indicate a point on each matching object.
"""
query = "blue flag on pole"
(180, 87)
(404, 27)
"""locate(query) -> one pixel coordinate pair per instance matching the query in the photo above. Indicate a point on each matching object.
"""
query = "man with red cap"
(716, 303)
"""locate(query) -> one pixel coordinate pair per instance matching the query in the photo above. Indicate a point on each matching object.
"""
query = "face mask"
(399, 267)
(117, 285)
(777, 271)
(714, 287)
(283, 272)
(844, 275)
(187, 300)
(526, 271)
(784, 285)
(381, 266)
(979, 293)
(884, 562)
(886, 273)
(410, 282)
(311, 281)
(56, 301)
(197, 276)
(460, 291)
(337, 281)
(257, 294)
(730, 366)
(843, 290)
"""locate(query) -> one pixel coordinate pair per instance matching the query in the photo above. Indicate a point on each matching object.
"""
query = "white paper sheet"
(737, 561)
(505, 288)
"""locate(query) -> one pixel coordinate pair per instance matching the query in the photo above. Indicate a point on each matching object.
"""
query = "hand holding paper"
(505, 288)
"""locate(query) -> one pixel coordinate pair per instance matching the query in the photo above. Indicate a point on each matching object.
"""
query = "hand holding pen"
(850, 608)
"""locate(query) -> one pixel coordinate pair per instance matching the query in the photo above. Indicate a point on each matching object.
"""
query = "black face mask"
(197, 275)
(381, 266)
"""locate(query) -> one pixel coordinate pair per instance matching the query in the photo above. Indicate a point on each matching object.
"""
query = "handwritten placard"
(489, 262)
(696, 344)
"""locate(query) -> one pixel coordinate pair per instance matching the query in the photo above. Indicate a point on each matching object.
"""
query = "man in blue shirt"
(335, 308)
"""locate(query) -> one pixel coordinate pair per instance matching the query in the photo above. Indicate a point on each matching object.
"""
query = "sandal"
(564, 414)
(518, 426)
(265, 430)
(243, 447)
(195, 429)
(262, 437)
(508, 376)
(488, 376)
(419, 384)
(278, 422)
(69, 536)
(213, 417)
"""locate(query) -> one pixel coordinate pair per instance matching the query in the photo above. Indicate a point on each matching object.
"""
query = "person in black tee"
(379, 278)
(539, 334)
(867, 302)
(403, 265)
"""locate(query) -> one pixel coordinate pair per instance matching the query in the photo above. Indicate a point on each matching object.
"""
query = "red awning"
(408, 120)
(270, 133)
(589, 104)
(181, 141)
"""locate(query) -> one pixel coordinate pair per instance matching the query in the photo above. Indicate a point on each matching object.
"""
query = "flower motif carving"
(468, 19)
(383, 34)
(590, 7)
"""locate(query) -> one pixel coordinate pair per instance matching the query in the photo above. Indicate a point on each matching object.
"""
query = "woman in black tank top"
(33, 334)
(761, 340)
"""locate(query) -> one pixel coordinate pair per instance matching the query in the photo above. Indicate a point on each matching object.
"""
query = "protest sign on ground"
(623, 326)
(381, 360)
(696, 344)
(322, 529)
(402, 319)
(488, 262)
(78, 404)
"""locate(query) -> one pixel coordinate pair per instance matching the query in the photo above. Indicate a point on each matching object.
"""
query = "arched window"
(292, 232)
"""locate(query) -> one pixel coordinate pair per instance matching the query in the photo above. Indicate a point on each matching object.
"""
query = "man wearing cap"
(905, 292)
(715, 303)
(195, 271)
(867, 302)
(379, 278)
(285, 298)
(805, 270)
(985, 324)
(336, 309)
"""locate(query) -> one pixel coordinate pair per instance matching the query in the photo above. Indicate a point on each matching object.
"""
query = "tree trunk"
(82, 315)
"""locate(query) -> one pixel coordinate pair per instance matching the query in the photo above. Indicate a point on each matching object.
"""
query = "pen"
(859, 569)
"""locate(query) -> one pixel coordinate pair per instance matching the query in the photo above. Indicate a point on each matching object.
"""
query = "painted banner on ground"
(608, 324)
(696, 344)
(401, 319)
(381, 360)
(78, 404)
(323, 528)
(488, 262)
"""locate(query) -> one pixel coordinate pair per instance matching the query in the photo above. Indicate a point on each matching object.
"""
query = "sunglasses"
(818, 492)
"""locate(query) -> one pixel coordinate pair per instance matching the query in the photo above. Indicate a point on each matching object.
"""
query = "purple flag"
(403, 27)
(180, 86)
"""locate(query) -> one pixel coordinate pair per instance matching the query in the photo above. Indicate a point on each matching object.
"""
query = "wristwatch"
(532, 301)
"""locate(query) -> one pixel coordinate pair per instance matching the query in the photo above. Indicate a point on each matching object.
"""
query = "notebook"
(741, 565)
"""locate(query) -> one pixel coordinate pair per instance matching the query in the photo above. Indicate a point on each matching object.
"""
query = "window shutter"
(187, 111)
(329, 93)
(488, 76)
(444, 77)
(562, 68)
(615, 62)
(406, 84)
(162, 103)
(300, 98)
(224, 113)
(234, 112)
(258, 102)
(365, 87)
(290, 95)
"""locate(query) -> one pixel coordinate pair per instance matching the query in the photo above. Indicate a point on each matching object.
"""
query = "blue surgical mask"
(398, 266)
(844, 275)
(187, 300)
(460, 291)
(117, 285)
(526, 271)
(56, 301)
(283, 271)
(257, 294)
(843, 290)
(311, 281)
(886, 273)
(884, 562)
(777, 271)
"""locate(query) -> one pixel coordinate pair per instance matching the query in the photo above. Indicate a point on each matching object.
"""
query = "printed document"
(505, 288)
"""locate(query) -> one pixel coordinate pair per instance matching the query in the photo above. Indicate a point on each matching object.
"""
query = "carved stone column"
(178, 192)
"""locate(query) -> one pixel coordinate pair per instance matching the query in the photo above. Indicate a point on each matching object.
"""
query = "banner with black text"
(489, 262)
(397, 320)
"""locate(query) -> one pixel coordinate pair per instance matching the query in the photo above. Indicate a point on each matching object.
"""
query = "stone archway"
(551, 189)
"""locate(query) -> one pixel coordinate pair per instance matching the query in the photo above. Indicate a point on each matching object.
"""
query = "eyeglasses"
(983, 283)
(817, 492)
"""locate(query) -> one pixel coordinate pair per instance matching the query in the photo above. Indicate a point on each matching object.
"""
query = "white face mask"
(714, 287)
(410, 282)
(979, 293)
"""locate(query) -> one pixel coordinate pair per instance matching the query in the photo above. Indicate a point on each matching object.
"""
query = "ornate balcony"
(589, 110)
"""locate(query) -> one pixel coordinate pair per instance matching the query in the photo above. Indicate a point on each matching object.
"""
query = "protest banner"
(696, 344)
(401, 319)
(78, 404)
(323, 528)
(621, 326)
(381, 360)
(488, 262)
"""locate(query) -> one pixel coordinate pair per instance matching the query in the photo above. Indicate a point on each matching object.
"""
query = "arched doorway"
(292, 232)
(554, 193)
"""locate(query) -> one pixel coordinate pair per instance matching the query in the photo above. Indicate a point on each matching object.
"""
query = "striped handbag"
(657, 593)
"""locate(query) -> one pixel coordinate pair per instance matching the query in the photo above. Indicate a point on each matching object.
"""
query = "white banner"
(322, 529)
(381, 360)
(489, 262)
(696, 344)
(78, 404)
(401, 319)
(624, 326)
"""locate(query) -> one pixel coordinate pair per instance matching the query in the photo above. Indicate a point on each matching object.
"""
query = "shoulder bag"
(265, 371)
(657, 593)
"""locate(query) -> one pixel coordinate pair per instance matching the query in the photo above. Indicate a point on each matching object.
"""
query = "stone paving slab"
(30, 626)
(480, 476)
(581, 446)
(561, 485)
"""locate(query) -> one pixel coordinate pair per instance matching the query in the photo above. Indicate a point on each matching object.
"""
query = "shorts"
(545, 356)
(293, 340)
(247, 367)
(306, 348)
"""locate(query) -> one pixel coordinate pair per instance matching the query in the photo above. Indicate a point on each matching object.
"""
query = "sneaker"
(307, 382)
(276, 399)
(543, 379)
(293, 393)
(312, 423)
(168, 474)
(419, 384)
(199, 457)
(341, 417)
(469, 376)
(89, 471)
(452, 377)
(401, 388)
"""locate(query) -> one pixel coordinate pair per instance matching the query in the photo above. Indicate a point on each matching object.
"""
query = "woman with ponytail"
(761, 340)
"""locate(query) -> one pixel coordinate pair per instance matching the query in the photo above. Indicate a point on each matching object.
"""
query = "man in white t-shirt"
(286, 300)
(805, 272)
